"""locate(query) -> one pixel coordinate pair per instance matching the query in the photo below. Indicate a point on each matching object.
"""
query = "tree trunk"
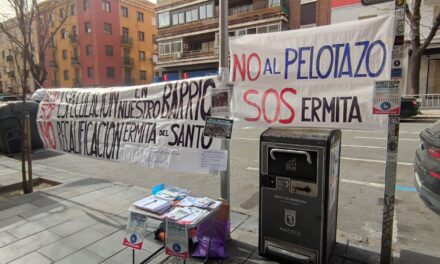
(415, 63)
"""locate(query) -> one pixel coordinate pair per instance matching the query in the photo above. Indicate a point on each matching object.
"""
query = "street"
(361, 186)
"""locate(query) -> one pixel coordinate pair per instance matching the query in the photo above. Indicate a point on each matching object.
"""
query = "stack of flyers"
(172, 193)
(204, 202)
(153, 204)
(194, 217)
(177, 213)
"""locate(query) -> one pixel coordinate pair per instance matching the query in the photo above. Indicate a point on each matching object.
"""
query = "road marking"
(376, 161)
(380, 185)
(252, 139)
(359, 146)
(400, 139)
(252, 169)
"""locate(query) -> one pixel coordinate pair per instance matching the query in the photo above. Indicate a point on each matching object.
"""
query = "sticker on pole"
(386, 99)
(176, 241)
(134, 234)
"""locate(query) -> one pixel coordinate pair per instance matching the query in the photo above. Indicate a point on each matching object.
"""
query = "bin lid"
(295, 134)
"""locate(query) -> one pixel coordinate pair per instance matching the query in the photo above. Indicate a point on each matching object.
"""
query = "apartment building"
(101, 43)
(188, 36)
(11, 63)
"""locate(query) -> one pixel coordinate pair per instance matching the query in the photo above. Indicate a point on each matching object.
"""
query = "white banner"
(158, 125)
(315, 77)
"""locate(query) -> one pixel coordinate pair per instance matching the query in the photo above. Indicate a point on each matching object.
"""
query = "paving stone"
(125, 256)
(68, 245)
(106, 228)
(237, 219)
(109, 245)
(16, 210)
(5, 171)
(33, 227)
(27, 198)
(82, 256)
(6, 238)
(58, 210)
(250, 225)
(33, 258)
(27, 245)
(256, 259)
(45, 201)
(72, 226)
(250, 238)
(11, 222)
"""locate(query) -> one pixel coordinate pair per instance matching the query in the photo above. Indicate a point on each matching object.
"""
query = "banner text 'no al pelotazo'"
(315, 77)
(158, 125)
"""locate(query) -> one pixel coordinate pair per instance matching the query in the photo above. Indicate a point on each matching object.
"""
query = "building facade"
(11, 62)
(188, 38)
(349, 10)
(101, 43)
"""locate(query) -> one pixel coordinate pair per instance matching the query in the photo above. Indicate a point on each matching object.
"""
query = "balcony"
(76, 82)
(237, 15)
(74, 40)
(128, 81)
(189, 57)
(52, 45)
(127, 62)
(75, 62)
(55, 83)
(53, 64)
(126, 41)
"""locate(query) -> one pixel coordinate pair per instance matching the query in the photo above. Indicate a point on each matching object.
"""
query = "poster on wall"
(314, 77)
(158, 125)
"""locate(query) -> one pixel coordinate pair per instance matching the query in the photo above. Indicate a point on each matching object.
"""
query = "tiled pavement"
(83, 219)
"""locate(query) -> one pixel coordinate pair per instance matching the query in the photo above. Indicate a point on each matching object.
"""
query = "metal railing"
(192, 54)
(127, 61)
(426, 101)
(53, 64)
(75, 61)
(129, 81)
(125, 40)
(74, 39)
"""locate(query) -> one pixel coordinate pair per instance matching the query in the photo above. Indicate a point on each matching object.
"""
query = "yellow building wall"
(134, 26)
(66, 44)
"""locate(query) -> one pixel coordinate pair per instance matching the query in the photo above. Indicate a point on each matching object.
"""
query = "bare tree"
(36, 31)
(417, 45)
(31, 36)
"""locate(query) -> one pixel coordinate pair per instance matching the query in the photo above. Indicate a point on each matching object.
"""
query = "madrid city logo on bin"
(290, 217)
(291, 165)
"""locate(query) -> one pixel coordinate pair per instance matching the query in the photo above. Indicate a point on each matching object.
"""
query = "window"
(273, 28)
(110, 72)
(308, 13)
(153, 21)
(106, 6)
(205, 11)
(170, 48)
(209, 10)
(433, 85)
(141, 36)
(86, 4)
(88, 27)
(274, 2)
(89, 50)
(124, 11)
(141, 55)
(178, 18)
(64, 54)
(72, 10)
(140, 16)
(107, 28)
(143, 75)
(62, 14)
(108, 50)
(66, 74)
(63, 33)
(202, 11)
(192, 15)
(90, 72)
(164, 19)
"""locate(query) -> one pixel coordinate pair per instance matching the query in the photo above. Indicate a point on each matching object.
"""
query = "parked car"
(7, 97)
(427, 167)
(408, 107)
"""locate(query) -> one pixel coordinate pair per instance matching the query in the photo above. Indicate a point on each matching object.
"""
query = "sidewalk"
(83, 219)
(424, 116)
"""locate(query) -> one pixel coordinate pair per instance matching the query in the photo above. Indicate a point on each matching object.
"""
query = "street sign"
(386, 97)
(374, 2)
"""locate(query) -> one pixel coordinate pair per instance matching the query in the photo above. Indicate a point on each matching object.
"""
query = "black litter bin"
(299, 182)
(10, 125)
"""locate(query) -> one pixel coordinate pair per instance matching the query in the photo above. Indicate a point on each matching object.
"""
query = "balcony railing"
(126, 40)
(189, 55)
(52, 45)
(74, 40)
(129, 81)
(55, 83)
(76, 82)
(127, 61)
(53, 64)
(75, 61)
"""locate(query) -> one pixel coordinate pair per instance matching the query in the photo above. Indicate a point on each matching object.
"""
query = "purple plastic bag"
(217, 230)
